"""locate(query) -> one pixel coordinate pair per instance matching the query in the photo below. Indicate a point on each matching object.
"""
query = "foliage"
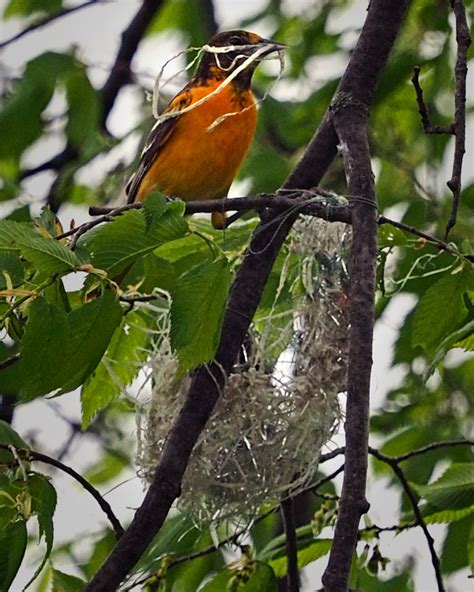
(97, 335)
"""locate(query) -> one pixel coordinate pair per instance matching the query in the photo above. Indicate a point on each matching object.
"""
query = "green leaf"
(219, 582)
(451, 497)
(177, 536)
(20, 119)
(84, 108)
(187, 577)
(119, 366)
(306, 555)
(99, 552)
(107, 468)
(441, 309)
(47, 254)
(8, 436)
(45, 346)
(153, 208)
(62, 582)
(11, 268)
(43, 498)
(91, 327)
(13, 541)
(30, 7)
(197, 310)
(262, 579)
(458, 338)
(389, 236)
(455, 546)
(119, 243)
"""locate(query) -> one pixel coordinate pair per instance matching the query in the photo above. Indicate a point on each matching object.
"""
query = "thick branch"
(131, 38)
(463, 40)
(351, 124)
(367, 60)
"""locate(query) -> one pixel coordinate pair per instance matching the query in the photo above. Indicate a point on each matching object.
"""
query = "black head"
(241, 44)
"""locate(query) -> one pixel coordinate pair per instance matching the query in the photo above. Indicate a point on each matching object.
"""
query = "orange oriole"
(196, 154)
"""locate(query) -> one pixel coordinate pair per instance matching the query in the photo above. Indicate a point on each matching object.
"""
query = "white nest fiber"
(266, 432)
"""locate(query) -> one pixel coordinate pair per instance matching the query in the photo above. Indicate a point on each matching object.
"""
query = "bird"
(195, 154)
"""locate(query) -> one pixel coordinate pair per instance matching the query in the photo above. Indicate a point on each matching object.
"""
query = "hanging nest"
(270, 422)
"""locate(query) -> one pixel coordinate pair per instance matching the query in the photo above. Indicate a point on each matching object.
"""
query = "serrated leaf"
(13, 541)
(91, 327)
(197, 310)
(47, 255)
(153, 208)
(43, 498)
(451, 497)
(44, 347)
(118, 367)
(62, 582)
(119, 243)
(441, 309)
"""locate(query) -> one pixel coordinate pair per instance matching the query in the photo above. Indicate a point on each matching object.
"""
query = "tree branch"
(463, 40)
(428, 127)
(49, 19)
(384, 18)
(31, 455)
(291, 544)
(393, 463)
(351, 124)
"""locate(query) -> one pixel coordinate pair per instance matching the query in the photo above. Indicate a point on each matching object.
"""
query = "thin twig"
(291, 544)
(104, 505)
(428, 127)
(463, 40)
(416, 511)
(437, 242)
(430, 447)
(9, 361)
(49, 19)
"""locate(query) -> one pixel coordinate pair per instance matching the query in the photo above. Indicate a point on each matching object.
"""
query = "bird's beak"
(272, 45)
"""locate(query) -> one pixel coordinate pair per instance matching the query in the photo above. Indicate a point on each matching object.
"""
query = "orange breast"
(200, 163)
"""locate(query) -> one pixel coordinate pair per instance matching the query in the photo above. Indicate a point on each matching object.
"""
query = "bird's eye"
(235, 40)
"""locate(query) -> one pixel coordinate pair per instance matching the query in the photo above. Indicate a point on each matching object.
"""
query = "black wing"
(157, 138)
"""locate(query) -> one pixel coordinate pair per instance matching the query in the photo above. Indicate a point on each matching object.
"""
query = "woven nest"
(269, 424)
